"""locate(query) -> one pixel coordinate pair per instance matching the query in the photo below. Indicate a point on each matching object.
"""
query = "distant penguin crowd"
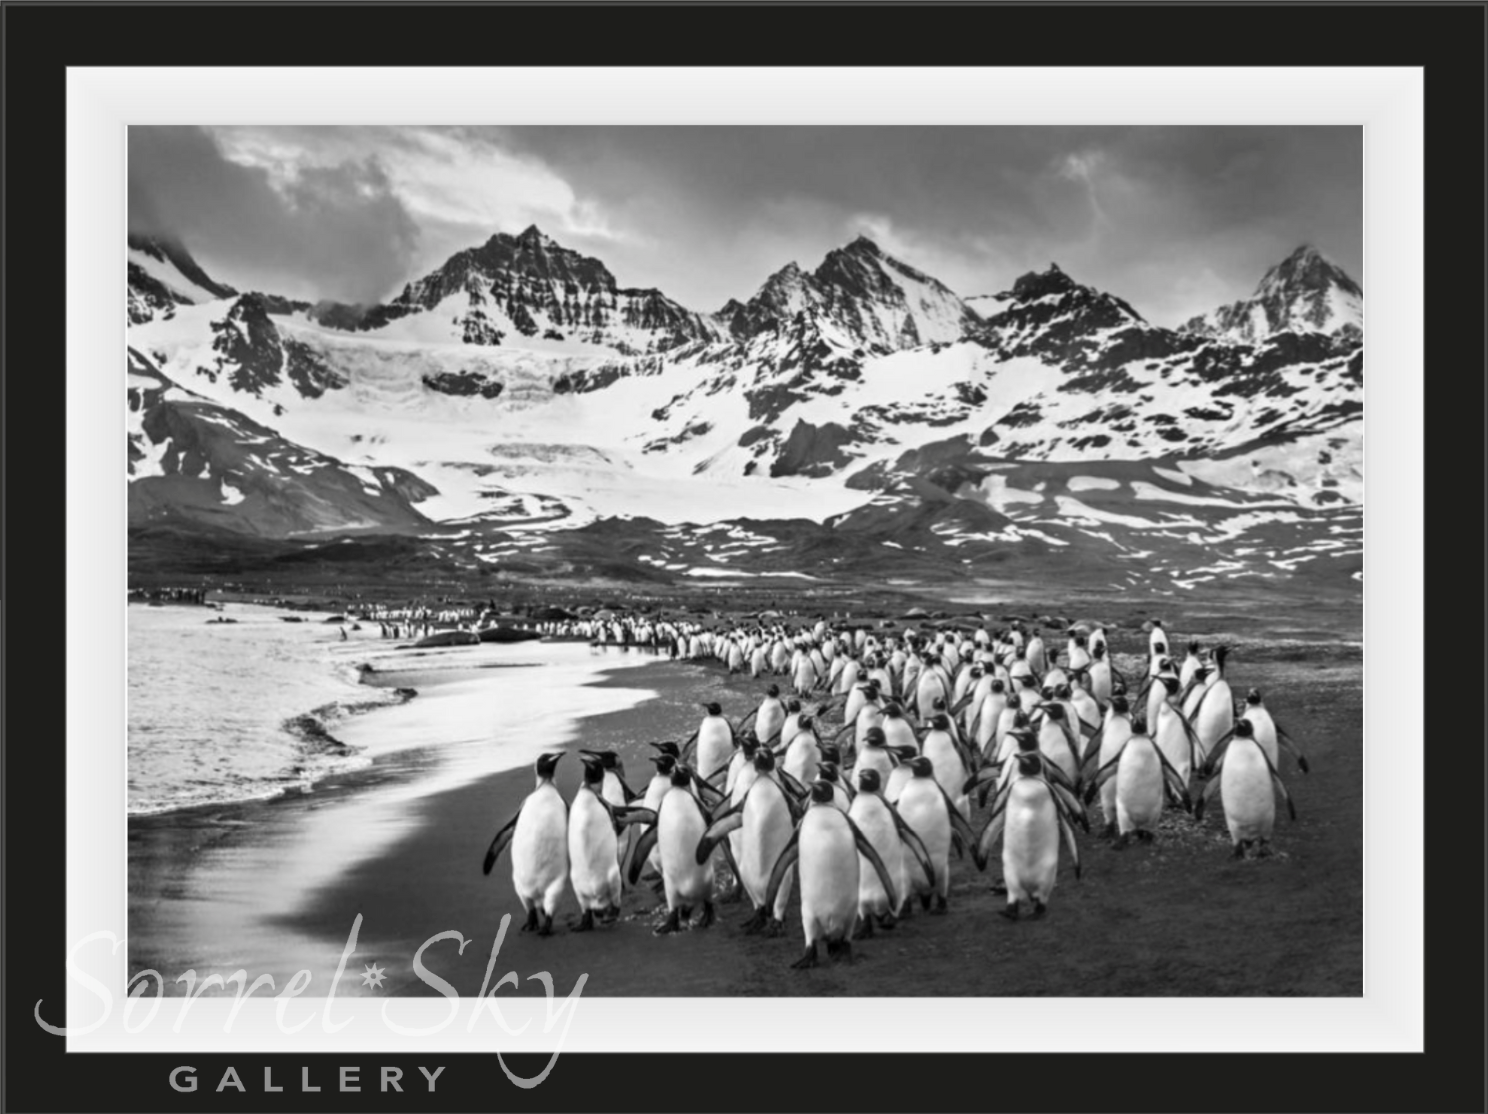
(863, 802)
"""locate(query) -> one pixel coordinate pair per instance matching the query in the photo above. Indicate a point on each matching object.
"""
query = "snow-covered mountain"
(162, 275)
(517, 404)
(1305, 293)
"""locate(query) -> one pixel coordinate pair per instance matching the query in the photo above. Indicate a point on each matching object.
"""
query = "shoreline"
(1141, 922)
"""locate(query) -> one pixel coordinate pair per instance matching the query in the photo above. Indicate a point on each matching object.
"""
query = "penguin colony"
(860, 804)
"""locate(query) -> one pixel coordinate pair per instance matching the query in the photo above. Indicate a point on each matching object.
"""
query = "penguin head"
(906, 753)
(773, 690)
(668, 748)
(998, 686)
(822, 792)
(1064, 692)
(827, 771)
(664, 763)
(608, 759)
(547, 763)
(892, 712)
(874, 737)
(713, 709)
(1029, 763)
(1119, 705)
(681, 776)
(1160, 648)
(1157, 623)
(1054, 711)
(922, 767)
(1171, 684)
(869, 781)
(1026, 740)
(1253, 697)
(940, 721)
(1080, 641)
(1244, 729)
(1029, 681)
(1020, 720)
(593, 770)
(764, 759)
(830, 753)
(1098, 651)
(1193, 647)
(1048, 692)
(749, 744)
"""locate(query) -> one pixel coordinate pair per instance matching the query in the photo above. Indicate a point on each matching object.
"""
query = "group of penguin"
(864, 819)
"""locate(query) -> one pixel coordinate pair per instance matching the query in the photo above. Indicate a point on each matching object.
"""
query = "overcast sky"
(1174, 220)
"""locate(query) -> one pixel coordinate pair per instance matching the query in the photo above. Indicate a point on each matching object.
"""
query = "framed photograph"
(835, 573)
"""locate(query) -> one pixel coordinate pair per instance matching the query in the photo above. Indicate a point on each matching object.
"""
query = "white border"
(1388, 102)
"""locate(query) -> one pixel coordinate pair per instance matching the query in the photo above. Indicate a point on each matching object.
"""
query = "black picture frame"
(41, 40)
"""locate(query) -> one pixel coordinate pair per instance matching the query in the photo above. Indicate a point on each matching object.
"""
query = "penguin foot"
(753, 925)
(1010, 912)
(925, 902)
(584, 923)
(1123, 841)
(1263, 849)
(940, 905)
(610, 915)
(1109, 831)
(1039, 909)
(531, 923)
(547, 925)
(1145, 836)
(999, 887)
(844, 952)
(774, 927)
(808, 959)
(709, 915)
(673, 923)
(1239, 850)
(863, 929)
(887, 922)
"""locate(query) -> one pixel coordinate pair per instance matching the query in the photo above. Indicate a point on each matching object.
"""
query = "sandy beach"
(275, 886)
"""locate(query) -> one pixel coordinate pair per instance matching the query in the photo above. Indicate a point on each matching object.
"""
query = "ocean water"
(209, 704)
(216, 711)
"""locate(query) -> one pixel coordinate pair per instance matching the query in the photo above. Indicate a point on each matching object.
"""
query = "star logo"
(372, 975)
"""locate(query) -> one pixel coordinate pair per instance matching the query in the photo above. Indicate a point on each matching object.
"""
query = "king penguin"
(538, 836)
(825, 850)
(1245, 778)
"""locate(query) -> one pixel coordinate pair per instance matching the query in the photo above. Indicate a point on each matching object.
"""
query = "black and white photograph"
(723, 561)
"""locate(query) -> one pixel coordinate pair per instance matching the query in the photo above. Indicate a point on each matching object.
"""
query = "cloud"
(334, 230)
(1082, 166)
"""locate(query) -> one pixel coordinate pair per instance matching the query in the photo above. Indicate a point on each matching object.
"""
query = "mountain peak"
(1305, 293)
(534, 236)
(1036, 284)
(862, 245)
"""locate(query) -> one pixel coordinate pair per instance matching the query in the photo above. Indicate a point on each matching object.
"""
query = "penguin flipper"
(993, 830)
(1105, 774)
(793, 787)
(1053, 772)
(1068, 831)
(499, 844)
(640, 853)
(961, 704)
(730, 820)
(961, 829)
(1092, 752)
(911, 839)
(788, 856)
(1280, 787)
(1209, 791)
(1290, 745)
(1216, 752)
(869, 852)
(630, 794)
(1070, 805)
(1173, 781)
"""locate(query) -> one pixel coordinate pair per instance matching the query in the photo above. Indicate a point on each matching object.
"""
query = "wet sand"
(1175, 918)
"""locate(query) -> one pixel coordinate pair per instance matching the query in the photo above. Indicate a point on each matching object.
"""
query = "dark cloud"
(335, 230)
